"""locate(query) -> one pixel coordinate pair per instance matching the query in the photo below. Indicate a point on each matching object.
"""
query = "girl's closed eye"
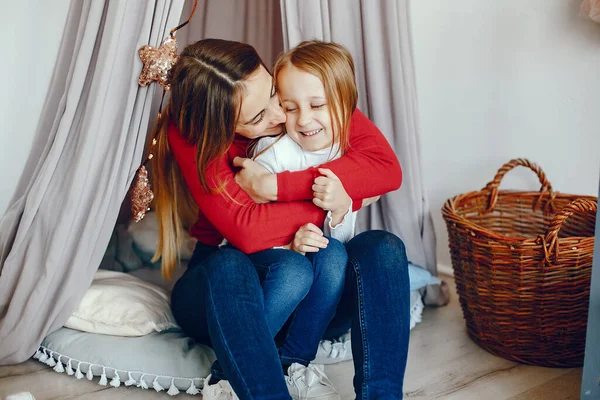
(317, 106)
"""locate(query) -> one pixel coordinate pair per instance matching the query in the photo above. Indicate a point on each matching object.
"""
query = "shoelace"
(309, 376)
(335, 349)
(339, 350)
(219, 390)
(216, 392)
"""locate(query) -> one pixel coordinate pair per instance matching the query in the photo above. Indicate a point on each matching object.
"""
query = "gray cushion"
(165, 360)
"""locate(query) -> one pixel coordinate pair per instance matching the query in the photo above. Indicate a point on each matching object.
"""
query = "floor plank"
(443, 363)
(565, 387)
(21, 369)
(46, 384)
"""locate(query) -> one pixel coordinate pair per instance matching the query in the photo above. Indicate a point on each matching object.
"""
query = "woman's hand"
(369, 201)
(329, 193)
(255, 180)
(308, 239)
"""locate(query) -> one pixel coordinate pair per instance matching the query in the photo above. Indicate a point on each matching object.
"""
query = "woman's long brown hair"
(205, 98)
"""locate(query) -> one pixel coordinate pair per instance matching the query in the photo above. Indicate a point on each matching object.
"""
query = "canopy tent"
(92, 132)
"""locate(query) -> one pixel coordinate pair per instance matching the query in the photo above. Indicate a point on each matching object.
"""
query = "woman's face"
(260, 114)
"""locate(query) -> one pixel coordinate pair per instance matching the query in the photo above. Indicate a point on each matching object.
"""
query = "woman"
(222, 96)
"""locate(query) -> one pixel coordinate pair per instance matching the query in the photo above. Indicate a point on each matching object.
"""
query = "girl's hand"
(255, 180)
(329, 193)
(308, 239)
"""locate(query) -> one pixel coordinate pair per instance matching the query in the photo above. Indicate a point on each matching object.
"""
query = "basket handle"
(550, 241)
(492, 187)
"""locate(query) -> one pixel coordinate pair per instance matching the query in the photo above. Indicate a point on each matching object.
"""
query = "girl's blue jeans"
(304, 289)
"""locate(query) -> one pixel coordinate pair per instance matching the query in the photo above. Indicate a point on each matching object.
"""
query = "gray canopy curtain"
(256, 22)
(377, 33)
(87, 147)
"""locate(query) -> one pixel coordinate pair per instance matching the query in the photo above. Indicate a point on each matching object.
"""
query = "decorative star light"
(158, 62)
(141, 195)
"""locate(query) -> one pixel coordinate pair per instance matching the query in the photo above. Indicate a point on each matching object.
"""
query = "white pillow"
(123, 305)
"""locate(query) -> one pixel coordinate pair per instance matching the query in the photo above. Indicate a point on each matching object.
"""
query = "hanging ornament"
(141, 193)
(157, 63)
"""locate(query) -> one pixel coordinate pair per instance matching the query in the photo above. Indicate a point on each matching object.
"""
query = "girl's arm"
(342, 231)
(331, 196)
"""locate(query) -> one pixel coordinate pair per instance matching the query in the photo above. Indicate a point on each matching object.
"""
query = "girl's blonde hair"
(205, 99)
(333, 65)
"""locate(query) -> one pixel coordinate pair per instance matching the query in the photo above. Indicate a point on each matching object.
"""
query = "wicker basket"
(522, 265)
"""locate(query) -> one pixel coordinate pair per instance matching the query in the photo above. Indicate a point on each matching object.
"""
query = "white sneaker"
(335, 350)
(305, 383)
(221, 390)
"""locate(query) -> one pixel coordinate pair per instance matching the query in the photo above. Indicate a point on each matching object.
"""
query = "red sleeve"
(248, 226)
(369, 168)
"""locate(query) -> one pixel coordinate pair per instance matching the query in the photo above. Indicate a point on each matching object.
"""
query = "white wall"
(31, 33)
(503, 79)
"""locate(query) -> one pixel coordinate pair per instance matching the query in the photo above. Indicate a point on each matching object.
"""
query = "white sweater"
(287, 155)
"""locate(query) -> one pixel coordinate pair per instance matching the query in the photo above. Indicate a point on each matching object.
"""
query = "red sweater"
(369, 168)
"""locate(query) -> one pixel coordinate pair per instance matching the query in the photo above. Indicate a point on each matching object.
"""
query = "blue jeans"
(221, 292)
(307, 288)
(376, 305)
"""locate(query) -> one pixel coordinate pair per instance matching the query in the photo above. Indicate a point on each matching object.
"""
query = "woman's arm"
(370, 159)
(248, 226)
(369, 201)
(369, 168)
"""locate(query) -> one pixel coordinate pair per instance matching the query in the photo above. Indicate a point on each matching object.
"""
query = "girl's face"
(260, 114)
(303, 99)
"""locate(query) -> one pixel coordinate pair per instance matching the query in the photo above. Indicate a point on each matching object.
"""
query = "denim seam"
(287, 335)
(211, 303)
(363, 329)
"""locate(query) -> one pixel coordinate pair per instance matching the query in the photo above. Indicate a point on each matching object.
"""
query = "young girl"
(318, 93)
(317, 90)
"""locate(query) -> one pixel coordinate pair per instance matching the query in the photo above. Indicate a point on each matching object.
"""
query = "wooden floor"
(443, 364)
